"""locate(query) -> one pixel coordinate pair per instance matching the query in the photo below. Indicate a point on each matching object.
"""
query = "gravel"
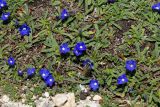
(59, 100)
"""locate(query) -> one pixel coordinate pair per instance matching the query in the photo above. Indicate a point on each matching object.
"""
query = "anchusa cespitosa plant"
(78, 50)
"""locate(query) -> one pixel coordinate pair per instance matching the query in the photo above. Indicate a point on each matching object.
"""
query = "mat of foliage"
(126, 29)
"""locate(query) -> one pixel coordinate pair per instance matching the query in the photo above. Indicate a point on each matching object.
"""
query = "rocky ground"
(59, 100)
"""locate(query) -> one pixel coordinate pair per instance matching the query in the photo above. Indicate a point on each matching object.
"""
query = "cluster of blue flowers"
(24, 29)
(130, 67)
(47, 77)
(122, 79)
(5, 15)
(78, 50)
(44, 73)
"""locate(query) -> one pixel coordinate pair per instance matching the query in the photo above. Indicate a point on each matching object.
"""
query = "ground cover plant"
(110, 47)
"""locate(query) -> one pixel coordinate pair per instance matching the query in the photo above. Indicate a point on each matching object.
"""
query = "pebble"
(7, 103)
(83, 95)
(88, 98)
(5, 99)
(44, 102)
(34, 97)
(60, 99)
(71, 100)
(97, 98)
(87, 103)
(46, 94)
(23, 100)
(82, 88)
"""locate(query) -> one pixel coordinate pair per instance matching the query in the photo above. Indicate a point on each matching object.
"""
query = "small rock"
(23, 100)
(46, 94)
(87, 103)
(34, 97)
(5, 99)
(60, 99)
(97, 98)
(14, 104)
(88, 98)
(44, 102)
(82, 87)
(83, 95)
(71, 100)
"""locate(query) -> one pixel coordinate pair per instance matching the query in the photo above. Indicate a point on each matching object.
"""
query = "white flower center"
(95, 83)
(50, 80)
(2, 5)
(123, 80)
(157, 8)
(131, 65)
(43, 75)
(63, 48)
(65, 14)
(81, 47)
(24, 28)
(6, 16)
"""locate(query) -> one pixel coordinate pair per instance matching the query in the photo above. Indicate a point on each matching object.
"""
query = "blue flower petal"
(94, 85)
(111, 1)
(50, 81)
(156, 7)
(89, 63)
(20, 72)
(11, 61)
(77, 52)
(31, 71)
(24, 30)
(131, 65)
(5, 16)
(64, 48)
(3, 4)
(122, 79)
(64, 14)
(80, 46)
(44, 73)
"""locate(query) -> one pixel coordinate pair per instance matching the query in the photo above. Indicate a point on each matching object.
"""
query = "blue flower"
(77, 52)
(44, 73)
(11, 61)
(122, 79)
(131, 65)
(31, 71)
(111, 1)
(3, 4)
(89, 63)
(64, 14)
(156, 7)
(20, 72)
(94, 85)
(24, 30)
(5, 16)
(50, 81)
(64, 48)
(80, 46)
